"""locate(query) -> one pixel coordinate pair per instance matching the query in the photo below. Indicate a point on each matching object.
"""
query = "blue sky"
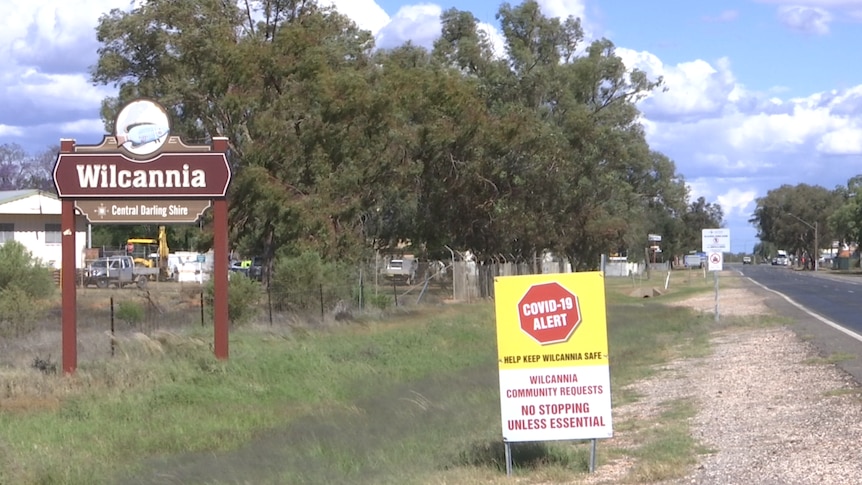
(760, 92)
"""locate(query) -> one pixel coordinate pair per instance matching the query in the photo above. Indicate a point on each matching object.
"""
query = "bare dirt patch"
(731, 301)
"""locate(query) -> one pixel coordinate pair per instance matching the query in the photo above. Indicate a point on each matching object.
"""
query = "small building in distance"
(32, 217)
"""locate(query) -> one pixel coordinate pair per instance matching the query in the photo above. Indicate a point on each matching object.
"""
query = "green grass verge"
(412, 398)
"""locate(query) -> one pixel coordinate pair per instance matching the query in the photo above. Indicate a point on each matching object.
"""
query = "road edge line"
(822, 319)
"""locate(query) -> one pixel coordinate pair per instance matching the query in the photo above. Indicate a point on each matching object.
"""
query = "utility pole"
(816, 248)
(816, 254)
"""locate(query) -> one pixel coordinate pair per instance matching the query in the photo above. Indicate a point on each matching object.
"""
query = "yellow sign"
(588, 343)
(552, 349)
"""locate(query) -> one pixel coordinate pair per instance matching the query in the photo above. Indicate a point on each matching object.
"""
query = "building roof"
(29, 202)
(7, 196)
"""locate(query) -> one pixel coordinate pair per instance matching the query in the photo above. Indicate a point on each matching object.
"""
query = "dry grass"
(27, 389)
(168, 306)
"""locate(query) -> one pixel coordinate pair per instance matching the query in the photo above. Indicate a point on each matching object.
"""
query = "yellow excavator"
(150, 253)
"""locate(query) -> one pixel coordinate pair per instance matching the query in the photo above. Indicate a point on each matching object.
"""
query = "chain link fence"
(363, 290)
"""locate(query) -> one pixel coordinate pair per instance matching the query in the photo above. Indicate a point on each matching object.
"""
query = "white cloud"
(695, 89)
(53, 35)
(417, 23)
(844, 141)
(46, 48)
(733, 145)
(728, 129)
(563, 8)
(808, 20)
(814, 16)
(736, 202)
(367, 14)
(498, 44)
(566, 8)
(781, 132)
(6, 130)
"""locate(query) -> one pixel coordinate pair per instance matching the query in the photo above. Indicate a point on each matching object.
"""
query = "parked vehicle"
(118, 271)
(252, 268)
(401, 269)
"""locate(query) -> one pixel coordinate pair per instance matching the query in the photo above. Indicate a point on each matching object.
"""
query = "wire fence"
(365, 291)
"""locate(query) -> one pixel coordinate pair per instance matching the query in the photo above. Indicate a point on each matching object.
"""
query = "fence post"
(203, 322)
(361, 289)
(269, 301)
(322, 313)
(112, 327)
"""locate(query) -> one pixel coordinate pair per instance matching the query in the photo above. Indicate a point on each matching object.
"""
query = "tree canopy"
(790, 217)
(341, 148)
(19, 170)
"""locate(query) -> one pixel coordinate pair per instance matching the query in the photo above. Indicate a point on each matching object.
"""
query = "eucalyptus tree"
(289, 83)
(791, 216)
(340, 148)
(846, 221)
(699, 215)
(665, 197)
(594, 172)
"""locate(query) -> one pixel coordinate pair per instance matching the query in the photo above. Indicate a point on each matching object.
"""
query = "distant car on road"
(780, 260)
(746, 260)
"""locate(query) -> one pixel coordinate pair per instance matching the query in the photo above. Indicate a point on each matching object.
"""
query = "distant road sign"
(715, 262)
(716, 240)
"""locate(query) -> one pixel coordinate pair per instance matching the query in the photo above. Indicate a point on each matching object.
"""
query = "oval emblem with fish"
(142, 127)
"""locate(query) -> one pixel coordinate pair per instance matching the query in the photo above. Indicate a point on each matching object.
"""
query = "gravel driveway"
(772, 409)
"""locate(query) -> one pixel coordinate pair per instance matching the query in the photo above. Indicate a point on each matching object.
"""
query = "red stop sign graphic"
(549, 313)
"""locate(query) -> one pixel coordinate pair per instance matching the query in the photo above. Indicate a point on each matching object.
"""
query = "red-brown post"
(68, 272)
(220, 269)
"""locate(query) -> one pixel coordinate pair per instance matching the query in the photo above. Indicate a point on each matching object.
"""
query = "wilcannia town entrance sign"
(139, 175)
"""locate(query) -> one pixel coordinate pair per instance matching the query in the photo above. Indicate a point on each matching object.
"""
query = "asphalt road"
(825, 308)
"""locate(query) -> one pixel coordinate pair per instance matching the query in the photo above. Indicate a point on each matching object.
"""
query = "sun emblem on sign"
(102, 211)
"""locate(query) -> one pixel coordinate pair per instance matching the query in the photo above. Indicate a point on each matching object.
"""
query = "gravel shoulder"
(771, 408)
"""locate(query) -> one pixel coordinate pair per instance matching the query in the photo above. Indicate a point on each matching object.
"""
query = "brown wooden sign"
(141, 174)
(91, 175)
(142, 211)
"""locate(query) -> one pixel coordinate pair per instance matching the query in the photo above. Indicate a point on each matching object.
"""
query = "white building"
(32, 217)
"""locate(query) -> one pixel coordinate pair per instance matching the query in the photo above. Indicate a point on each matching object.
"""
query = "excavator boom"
(150, 246)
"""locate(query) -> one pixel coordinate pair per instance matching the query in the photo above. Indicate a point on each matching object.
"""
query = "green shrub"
(244, 294)
(18, 267)
(380, 301)
(130, 312)
(18, 312)
(25, 284)
(297, 282)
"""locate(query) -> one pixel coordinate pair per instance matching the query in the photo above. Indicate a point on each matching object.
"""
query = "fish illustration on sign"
(142, 133)
(142, 127)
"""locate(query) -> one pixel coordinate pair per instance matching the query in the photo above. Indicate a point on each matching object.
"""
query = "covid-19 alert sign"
(552, 347)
